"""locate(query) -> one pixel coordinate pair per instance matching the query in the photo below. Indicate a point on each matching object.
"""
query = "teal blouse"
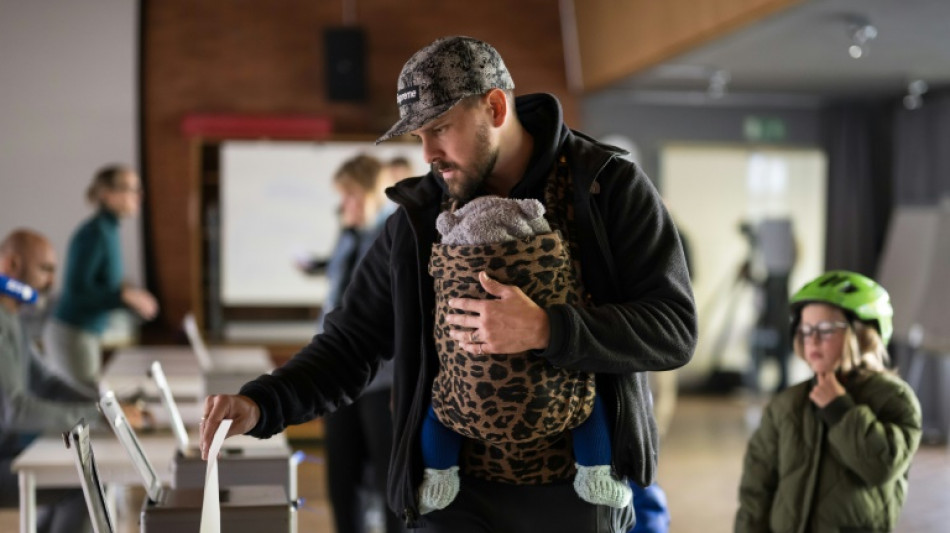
(92, 283)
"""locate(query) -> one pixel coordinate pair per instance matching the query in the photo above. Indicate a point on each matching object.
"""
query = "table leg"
(27, 502)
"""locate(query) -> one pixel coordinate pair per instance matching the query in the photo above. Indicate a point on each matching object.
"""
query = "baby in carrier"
(507, 398)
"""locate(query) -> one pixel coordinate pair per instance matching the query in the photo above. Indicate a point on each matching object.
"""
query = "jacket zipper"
(411, 514)
(597, 230)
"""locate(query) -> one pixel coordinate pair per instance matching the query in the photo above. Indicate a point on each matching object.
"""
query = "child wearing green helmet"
(832, 453)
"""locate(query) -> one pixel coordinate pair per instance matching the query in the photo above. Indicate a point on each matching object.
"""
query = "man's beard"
(468, 183)
(42, 302)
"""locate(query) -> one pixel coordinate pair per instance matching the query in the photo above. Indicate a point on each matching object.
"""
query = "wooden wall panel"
(267, 57)
(618, 38)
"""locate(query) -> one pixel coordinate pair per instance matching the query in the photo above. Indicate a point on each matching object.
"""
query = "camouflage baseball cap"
(442, 74)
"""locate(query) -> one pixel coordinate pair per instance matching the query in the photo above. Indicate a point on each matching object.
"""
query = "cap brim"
(414, 121)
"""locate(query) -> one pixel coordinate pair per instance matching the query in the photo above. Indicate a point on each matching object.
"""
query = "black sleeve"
(337, 364)
(646, 321)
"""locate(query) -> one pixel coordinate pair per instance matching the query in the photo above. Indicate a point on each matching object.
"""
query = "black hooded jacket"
(642, 319)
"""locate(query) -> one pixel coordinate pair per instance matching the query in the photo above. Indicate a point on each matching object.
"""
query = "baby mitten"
(438, 489)
(595, 484)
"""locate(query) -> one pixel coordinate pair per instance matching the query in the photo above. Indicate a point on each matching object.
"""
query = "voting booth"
(261, 464)
(249, 508)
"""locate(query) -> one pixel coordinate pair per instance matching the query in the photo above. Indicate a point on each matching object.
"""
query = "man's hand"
(827, 389)
(138, 415)
(511, 323)
(240, 409)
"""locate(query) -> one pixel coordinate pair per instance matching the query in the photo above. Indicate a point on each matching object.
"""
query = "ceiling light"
(718, 83)
(861, 35)
(915, 94)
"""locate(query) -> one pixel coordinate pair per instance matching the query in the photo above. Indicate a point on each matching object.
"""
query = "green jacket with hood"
(842, 468)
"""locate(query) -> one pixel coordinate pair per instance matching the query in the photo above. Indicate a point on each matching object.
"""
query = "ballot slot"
(167, 510)
(236, 466)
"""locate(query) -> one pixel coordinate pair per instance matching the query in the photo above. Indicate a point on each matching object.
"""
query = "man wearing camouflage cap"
(638, 315)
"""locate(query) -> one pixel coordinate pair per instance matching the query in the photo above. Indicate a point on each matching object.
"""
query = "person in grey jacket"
(832, 453)
(28, 259)
(637, 313)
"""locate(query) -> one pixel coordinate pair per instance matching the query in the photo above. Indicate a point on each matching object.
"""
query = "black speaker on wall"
(345, 63)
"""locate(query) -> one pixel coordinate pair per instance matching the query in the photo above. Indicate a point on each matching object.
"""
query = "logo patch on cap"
(408, 95)
(442, 74)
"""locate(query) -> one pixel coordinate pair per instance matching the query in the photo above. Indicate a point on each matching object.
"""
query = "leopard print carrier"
(515, 409)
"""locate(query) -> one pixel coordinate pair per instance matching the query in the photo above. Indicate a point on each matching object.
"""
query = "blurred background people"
(32, 400)
(773, 255)
(93, 284)
(398, 168)
(358, 436)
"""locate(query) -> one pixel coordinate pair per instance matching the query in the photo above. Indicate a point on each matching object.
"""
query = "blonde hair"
(105, 178)
(363, 171)
(863, 350)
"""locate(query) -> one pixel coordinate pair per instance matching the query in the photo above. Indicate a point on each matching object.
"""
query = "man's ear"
(11, 264)
(498, 103)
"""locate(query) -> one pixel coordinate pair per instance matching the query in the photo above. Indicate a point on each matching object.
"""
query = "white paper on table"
(211, 507)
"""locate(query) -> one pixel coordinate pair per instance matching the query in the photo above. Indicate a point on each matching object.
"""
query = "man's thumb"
(495, 288)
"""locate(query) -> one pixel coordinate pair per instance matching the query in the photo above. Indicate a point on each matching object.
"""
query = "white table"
(126, 372)
(46, 463)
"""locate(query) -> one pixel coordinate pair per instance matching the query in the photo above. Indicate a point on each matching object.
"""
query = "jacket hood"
(541, 115)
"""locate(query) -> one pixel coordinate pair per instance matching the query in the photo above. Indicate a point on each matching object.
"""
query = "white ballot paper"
(211, 508)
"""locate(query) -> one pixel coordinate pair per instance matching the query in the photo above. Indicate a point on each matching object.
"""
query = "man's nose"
(431, 152)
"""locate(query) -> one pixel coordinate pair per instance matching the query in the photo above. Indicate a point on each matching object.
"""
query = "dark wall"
(268, 58)
(880, 155)
(922, 151)
(651, 125)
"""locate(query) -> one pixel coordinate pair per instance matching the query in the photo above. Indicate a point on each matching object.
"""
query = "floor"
(700, 466)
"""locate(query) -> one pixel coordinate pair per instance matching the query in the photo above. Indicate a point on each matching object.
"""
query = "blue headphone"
(17, 289)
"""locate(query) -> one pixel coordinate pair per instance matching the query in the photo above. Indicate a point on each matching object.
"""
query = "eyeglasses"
(824, 330)
(127, 189)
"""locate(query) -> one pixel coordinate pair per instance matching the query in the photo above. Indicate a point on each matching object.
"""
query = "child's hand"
(827, 389)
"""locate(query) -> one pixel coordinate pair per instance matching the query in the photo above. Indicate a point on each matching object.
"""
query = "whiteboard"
(278, 205)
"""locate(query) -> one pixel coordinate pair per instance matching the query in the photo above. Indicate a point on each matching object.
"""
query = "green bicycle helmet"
(859, 296)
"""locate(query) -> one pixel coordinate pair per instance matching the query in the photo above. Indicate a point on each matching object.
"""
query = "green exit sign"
(763, 129)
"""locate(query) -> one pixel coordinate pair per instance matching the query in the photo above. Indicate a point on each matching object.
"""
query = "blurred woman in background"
(93, 284)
